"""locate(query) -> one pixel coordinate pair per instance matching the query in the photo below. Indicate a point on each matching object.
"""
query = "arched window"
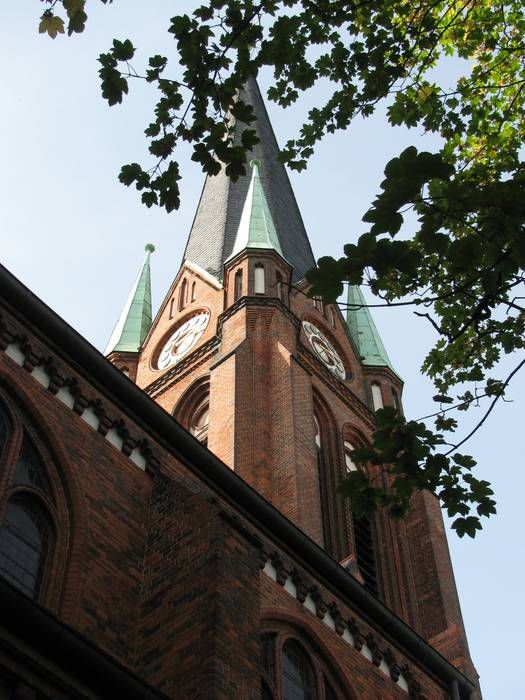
(365, 555)
(259, 283)
(292, 668)
(279, 291)
(192, 410)
(193, 293)
(395, 400)
(350, 465)
(332, 509)
(365, 552)
(172, 305)
(237, 285)
(29, 470)
(318, 304)
(25, 542)
(298, 673)
(332, 316)
(199, 421)
(182, 294)
(29, 508)
(377, 396)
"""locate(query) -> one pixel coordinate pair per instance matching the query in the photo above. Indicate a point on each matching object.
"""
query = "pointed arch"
(364, 529)
(192, 409)
(183, 292)
(330, 473)
(63, 502)
(284, 628)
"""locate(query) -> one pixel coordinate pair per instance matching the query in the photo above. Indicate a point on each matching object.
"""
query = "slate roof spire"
(256, 227)
(364, 332)
(214, 230)
(135, 320)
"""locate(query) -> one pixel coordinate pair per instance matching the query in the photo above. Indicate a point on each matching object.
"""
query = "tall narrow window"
(259, 283)
(363, 535)
(31, 506)
(332, 316)
(199, 421)
(395, 400)
(182, 294)
(172, 306)
(365, 552)
(318, 303)
(25, 539)
(350, 465)
(193, 296)
(279, 286)
(29, 470)
(237, 285)
(377, 396)
(298, 673)
(326, 491)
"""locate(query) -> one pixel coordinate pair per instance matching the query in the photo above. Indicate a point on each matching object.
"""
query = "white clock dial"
(324, 349)
(183, 340)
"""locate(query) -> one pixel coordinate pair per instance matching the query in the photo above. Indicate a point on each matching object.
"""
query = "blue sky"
(76, 237)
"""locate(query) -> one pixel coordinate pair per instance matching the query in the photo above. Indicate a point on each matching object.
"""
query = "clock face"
(324, 349)
(183, 340)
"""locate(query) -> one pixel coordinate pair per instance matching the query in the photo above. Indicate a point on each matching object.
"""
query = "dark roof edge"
(67, 648)
(146, 412)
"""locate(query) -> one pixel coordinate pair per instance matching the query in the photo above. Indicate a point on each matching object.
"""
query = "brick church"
(170, 525)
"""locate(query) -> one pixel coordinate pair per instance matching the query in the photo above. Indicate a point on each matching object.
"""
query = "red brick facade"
(168, 576)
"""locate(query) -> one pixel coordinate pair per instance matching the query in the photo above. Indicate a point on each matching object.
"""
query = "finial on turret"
(149, 248)
(255, 163)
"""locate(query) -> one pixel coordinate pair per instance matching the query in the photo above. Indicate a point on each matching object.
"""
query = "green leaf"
(326, 279)
(51, 24)
(123, 50)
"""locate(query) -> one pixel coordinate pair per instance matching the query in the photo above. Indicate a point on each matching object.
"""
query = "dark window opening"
(182, 294)
(237, 285)
(200, 420)
(25, 541)
(298, 674)
(279, 286)
(29, 470)
(365, 554)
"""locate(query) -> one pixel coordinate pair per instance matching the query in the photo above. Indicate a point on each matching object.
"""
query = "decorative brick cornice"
(252, 302)
(57, 380)
(297, 584)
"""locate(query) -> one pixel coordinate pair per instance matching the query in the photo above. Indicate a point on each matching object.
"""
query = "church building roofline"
(72, 347)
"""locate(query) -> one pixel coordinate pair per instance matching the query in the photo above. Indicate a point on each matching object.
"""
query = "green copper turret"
(256, 227)
(135, 319)
(364, 332)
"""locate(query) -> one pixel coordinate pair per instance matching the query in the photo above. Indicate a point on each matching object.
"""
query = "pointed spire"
(214, 230)
(256, 228)
(135, 319)
(364, 332)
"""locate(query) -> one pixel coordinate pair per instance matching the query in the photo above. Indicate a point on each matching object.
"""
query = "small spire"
(364, 332)
(135, 319)
(256, 227)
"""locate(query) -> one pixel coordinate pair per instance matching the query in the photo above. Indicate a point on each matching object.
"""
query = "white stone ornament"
(183, 340)
(324, 349)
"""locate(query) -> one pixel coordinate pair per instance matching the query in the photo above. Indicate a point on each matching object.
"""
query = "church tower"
(282, 387)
